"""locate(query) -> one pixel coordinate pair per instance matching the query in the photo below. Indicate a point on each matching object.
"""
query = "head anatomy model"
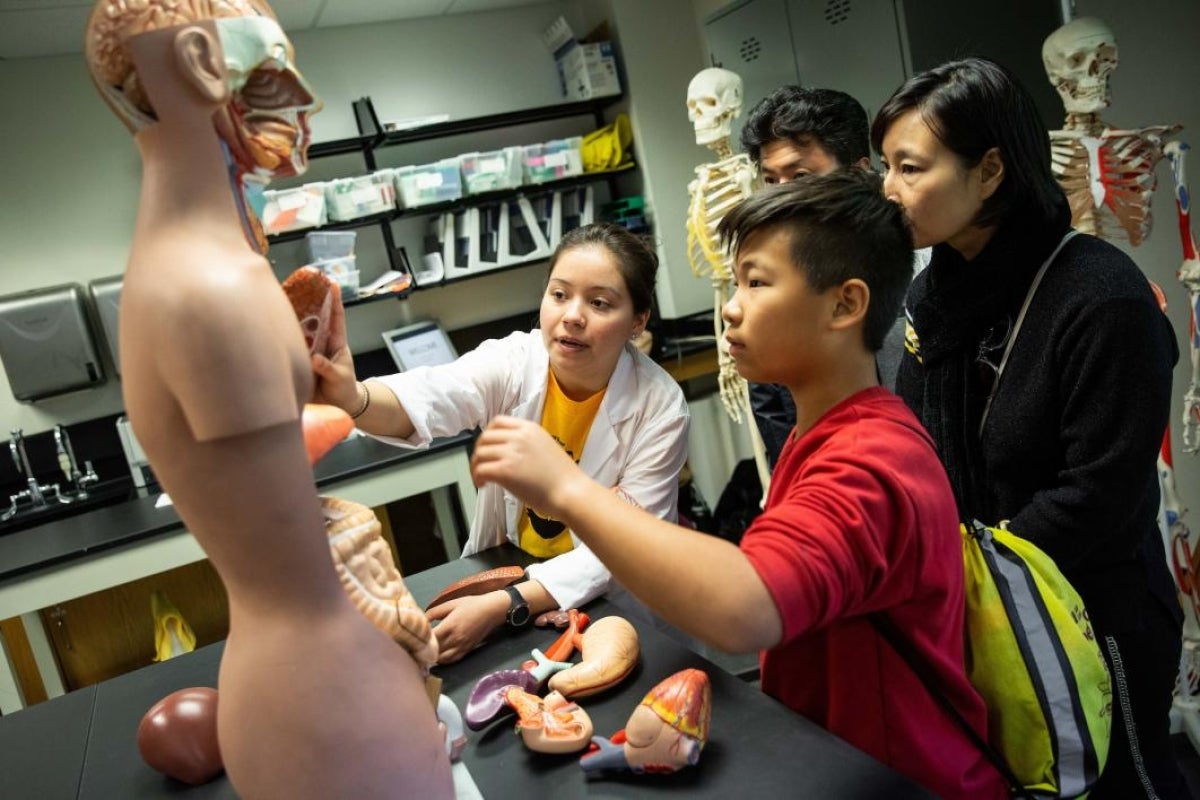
(714, 100)
(315, 701)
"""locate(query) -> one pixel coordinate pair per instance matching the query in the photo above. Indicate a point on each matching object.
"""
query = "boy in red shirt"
(859, 519)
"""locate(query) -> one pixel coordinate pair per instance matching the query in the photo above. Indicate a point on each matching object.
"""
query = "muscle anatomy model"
(714, 100)
(1107, 174)
(1109, 179)
(315, 701)
(1189, 276)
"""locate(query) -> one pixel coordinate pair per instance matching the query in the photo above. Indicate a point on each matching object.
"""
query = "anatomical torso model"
(314, 701)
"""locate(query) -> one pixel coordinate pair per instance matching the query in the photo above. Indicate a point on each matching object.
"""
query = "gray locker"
(751, 38)
(850, 45)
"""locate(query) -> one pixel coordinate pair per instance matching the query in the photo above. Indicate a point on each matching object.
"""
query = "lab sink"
(99, 495)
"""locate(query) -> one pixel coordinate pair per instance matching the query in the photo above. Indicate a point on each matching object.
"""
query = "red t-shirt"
(860, 518)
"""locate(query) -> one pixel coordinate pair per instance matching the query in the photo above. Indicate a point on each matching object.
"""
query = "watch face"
(518, 615)
(518, 610)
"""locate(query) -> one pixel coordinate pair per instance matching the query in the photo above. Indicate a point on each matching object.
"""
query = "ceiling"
(30, 28)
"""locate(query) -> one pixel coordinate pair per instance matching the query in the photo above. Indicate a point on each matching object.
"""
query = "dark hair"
(637, 263)
(832, 119)
(841, 227)
(974, 105)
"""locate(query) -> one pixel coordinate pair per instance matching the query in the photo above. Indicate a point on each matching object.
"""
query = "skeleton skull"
(714, 98)
(1079, 58)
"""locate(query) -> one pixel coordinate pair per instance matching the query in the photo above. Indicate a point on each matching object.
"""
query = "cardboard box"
(585, 69)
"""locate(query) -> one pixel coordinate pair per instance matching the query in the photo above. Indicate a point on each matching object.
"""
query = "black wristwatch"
(518, 610)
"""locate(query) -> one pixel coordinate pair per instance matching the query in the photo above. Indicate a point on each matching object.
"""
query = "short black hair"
(832, 119)
(636, 262)
(841, 227)
(973, 105)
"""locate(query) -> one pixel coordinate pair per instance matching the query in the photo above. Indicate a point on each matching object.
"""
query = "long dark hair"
(973, 105)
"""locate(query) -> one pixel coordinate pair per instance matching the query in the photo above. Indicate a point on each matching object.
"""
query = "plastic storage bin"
(328, 245)
(492, 170)
(429, 183)
(351, 198)
(553, 160)
(294, 209)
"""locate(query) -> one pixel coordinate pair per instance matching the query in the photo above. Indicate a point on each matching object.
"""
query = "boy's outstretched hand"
(524, 459)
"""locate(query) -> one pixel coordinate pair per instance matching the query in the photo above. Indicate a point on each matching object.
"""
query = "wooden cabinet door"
(111, 632)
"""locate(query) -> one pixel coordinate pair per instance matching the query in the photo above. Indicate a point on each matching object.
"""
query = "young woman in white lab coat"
(620, 415)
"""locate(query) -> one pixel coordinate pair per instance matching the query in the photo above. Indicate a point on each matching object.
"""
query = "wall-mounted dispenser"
(106, 295)
(46, 343)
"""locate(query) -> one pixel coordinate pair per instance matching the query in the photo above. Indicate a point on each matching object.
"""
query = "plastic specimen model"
(1189, 276)
(1107, 174)
(550, 724)
(714, 100)
(665, 733)
(315, 701)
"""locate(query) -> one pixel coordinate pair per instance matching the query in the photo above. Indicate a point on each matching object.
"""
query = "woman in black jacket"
(1066, 448)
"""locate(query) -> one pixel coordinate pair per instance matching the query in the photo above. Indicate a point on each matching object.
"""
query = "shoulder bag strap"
(1012, 337)
(888, 630)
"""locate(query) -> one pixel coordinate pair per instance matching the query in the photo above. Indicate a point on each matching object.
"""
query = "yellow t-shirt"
(568, 422)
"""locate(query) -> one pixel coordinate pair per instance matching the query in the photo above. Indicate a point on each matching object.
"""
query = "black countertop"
(128, 521)
(83, 745)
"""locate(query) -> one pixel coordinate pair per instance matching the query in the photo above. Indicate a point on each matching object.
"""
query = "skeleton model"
(714, 99)
(1108, 176)
(1189, 276)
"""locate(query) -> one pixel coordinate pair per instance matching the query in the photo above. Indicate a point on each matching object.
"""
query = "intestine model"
(714, 100)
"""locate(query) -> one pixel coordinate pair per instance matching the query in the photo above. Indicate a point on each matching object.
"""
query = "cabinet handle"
(59, 615)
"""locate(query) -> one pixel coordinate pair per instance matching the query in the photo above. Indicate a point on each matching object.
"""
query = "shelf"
(467, 201)
(371, 137)
(372, 298)
(509, 118)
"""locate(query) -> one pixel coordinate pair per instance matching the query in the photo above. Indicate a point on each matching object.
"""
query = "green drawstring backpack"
(1031, 654)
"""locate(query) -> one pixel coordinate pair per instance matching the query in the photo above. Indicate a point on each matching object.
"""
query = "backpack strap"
(900, 643)
(1012, 337)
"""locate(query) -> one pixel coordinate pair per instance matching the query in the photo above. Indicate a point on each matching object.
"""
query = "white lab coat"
(638, 440)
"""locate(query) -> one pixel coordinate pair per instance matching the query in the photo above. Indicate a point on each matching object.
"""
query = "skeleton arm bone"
(1189, 276)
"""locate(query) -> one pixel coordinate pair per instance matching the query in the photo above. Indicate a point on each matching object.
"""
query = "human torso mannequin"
(314, 702)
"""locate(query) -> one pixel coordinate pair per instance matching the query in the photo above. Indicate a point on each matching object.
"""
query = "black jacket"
(1069, 451)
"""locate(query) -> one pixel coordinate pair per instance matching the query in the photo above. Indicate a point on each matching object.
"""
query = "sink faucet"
(70, 467)
(16, 446)
(36, 494)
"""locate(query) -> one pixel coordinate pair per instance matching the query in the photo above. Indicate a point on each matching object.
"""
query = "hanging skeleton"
(714, 99)
(1189, 276)
(1109, 178)
(1108, 175)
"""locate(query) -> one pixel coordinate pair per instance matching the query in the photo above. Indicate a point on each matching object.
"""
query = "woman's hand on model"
(336, 384)
(465, 622)
(524, 459)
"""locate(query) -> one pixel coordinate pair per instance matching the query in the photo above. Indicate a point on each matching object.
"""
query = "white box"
(294, 209)
(588, 70)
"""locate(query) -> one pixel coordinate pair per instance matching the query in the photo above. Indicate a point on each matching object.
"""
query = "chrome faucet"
(70, 467)
(35, 494)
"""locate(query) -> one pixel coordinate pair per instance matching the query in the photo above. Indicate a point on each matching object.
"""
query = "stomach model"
(665, 733)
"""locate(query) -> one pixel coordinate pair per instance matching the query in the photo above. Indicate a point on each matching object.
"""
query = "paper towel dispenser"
(46, 343)
(106, 295)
